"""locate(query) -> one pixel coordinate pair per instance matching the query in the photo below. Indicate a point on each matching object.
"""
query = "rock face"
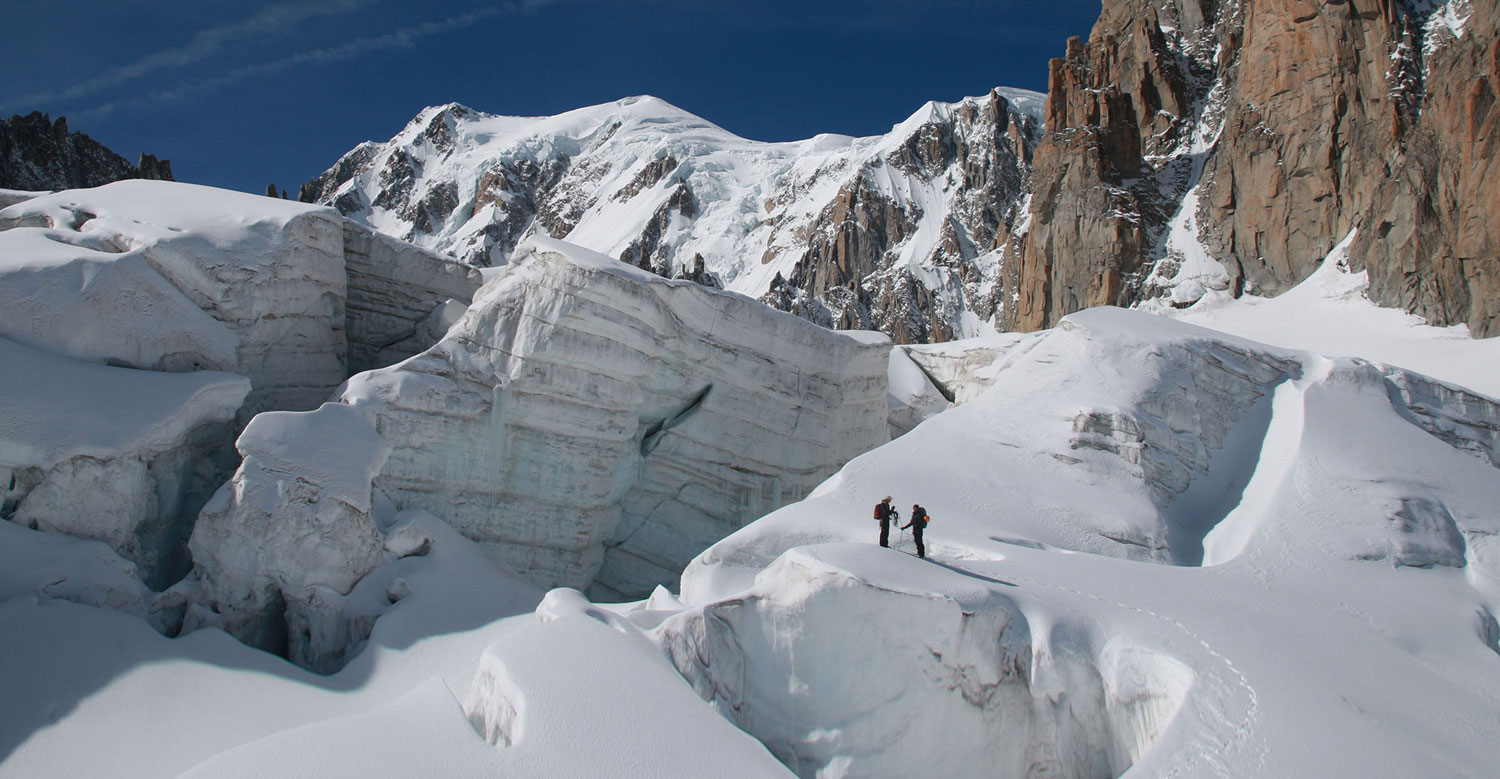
(37, 153)
(1230, 144)
(1429, 238)
(151, 168)
(591, 424)
(897, 233)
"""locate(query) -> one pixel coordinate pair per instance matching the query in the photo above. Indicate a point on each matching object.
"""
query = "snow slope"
(1335, 570)
(596, 697)
(1329, 314)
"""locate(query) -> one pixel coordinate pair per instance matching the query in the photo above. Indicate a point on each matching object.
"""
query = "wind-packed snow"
(1334, 570)
(911, 394)
(112, 454)
(10, 197)
(594, 696)
(53, 408)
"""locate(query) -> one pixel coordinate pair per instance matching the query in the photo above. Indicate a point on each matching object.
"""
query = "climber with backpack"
(885, 514)
(917, 524)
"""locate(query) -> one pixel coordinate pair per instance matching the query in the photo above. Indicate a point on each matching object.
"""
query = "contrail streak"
(203, 44)
(402, 38)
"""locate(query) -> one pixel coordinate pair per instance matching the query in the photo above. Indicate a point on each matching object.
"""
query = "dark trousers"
(885, 532)
(916, 535)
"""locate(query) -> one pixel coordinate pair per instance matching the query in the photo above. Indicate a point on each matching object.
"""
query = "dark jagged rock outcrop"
(1268, 130)
(153, 169)
(37, 153)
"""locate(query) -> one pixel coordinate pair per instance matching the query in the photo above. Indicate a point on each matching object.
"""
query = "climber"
(886, 515)
(917, 524)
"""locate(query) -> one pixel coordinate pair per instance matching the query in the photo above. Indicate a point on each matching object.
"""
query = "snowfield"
(1249, 538)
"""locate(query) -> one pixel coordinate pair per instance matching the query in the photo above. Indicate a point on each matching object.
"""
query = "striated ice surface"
(592, 424)
(290, 529)
(586, 423)
(177, 277)
(401, 298)
(1156, 550)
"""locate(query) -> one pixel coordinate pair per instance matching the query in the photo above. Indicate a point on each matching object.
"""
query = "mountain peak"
(883, 232)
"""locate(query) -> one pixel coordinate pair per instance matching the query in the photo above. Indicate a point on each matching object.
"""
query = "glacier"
(1170, 543)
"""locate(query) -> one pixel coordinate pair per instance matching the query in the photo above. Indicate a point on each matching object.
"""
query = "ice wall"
(166, 276)
(291, 531)
(176, 277)
(121, 456)
(401, 298)
(588, 423)
(849, 660)
(182, 281)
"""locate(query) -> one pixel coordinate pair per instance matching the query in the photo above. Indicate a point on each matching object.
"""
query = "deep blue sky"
(241, 94)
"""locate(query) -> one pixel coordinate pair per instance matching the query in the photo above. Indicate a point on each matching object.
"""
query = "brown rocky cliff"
(1295, 122)
(848, 267)
(1109, 103)
(1430, 240)
(1306, 126)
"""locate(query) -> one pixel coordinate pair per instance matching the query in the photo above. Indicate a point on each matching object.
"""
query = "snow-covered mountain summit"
(895, 232)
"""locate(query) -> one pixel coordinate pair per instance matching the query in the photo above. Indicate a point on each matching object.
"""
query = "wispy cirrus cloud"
(401, 38)
(201, 46)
